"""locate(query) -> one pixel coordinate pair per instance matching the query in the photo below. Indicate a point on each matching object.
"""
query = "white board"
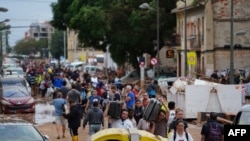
(199, 98)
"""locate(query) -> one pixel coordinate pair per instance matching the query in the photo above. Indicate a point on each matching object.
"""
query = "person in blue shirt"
(58, 81)
(60, 121)
(91, 99)
(129, 97)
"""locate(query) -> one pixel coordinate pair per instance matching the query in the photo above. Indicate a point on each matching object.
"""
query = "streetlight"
(146, 6)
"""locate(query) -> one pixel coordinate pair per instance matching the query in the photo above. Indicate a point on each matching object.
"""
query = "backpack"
(115, 109)
(83, 95)
(186, 134)
(214, 132)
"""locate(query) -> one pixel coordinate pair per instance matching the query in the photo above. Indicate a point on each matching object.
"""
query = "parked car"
(90, 69)
(13, 71)
(13, 129)
(135, 75)
(130, 77)
(76, 66)
(16, 99)
(15, 80)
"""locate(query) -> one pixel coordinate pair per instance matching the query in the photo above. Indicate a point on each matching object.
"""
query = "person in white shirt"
(123, 122)
(94, 81)
(180, 134)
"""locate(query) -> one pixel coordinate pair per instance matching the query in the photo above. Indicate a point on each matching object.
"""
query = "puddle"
(44, 113)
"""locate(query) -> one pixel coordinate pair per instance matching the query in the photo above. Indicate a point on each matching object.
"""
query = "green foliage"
(29, 46)
(57, 44)
(129, 30)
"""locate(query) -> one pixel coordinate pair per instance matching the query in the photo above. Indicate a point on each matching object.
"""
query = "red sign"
(153, 61)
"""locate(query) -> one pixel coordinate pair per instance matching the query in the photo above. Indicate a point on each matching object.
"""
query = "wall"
(222, 33)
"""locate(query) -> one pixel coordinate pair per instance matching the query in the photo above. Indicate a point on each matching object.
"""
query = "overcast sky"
(23, 13)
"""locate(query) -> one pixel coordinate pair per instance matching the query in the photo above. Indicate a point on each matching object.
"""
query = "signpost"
(153, 62)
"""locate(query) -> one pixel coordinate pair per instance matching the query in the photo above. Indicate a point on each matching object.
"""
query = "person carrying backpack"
(212, 130)
(180, 134)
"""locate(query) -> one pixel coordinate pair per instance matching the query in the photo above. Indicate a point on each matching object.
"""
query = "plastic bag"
(50, 90)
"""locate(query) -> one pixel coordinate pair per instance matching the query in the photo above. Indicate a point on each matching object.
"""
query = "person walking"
(95, 118)
(90, 101)
(60, 121)
(179, 115)
(180, 134)
(64, 89)
(75, 114)
(212, 130)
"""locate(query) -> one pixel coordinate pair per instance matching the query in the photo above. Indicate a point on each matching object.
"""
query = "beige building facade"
(208, 35)
(77, 53)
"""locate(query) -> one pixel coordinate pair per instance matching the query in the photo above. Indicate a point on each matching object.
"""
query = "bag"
(115, 109)
(65, 108)
(151, 90)
(214, 132)
(83, 95)
(186, 134)
(152, 110)
(50, 90)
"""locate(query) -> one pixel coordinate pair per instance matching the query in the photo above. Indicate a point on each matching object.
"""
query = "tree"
(29, 46)
(57, 44)
(128, 30)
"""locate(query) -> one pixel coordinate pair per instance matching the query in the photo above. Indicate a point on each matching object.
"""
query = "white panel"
(199, 98)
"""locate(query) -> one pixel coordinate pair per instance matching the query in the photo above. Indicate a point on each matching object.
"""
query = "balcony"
(195, 41)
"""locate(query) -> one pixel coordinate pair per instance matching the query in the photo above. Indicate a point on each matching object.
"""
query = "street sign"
(153, 61)
(191, 58)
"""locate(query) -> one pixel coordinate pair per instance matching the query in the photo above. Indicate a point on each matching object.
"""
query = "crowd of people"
(82, 100)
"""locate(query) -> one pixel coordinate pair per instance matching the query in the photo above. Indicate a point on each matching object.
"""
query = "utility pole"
(232, 44)
(185, 38)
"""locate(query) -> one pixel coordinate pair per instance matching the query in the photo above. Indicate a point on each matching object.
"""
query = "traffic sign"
(191, 58)
(153, 61)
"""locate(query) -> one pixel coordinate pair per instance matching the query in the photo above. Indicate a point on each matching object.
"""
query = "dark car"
(16, 99)
(13, 129)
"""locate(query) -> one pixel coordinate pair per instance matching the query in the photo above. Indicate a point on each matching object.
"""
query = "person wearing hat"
(95, 118)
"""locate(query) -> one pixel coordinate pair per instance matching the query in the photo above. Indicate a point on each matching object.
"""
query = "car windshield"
(19, 133)
(14, 72)
(12, 83)
(15, 93)
(244, 118)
